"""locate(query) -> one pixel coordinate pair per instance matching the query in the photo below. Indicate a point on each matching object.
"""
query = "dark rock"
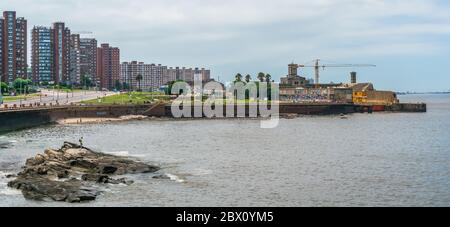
(38, 181)
(62, 174)
(109, 169)
(38, 188)
(161, 177)
(105, 179)
(81, 163)
(119, 181)
(99, 178)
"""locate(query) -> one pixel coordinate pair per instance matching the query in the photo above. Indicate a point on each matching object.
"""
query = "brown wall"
(381, 97)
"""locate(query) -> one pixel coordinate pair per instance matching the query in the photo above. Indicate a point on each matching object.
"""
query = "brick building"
(108, 66)
(13, 42)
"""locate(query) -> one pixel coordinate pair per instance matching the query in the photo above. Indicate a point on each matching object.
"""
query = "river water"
(383, 159)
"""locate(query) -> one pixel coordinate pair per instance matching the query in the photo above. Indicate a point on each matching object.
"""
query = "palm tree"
(139, 79)
(261, 76)
(268, 78)
(248, 78)
(238, 77)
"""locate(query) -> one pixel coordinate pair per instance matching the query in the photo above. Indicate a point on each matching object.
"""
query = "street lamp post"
(85, 84)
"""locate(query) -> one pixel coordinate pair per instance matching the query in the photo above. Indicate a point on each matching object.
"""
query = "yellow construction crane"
(317, 67)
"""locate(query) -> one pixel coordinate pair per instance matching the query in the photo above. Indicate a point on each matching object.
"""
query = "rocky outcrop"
(70, 173)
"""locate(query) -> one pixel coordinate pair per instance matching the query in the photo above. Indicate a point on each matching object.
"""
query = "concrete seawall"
(285, 108)
(20, 119)
(408, 107)
(11, 120)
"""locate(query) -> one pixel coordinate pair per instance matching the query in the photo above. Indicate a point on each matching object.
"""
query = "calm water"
(367, 160)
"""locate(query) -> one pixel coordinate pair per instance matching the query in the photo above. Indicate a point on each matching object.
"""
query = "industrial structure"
(296, 88)
(317, 66)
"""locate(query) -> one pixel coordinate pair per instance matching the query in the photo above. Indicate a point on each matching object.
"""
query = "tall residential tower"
(42, 54)
(51, 55)
(108, 66)
(61, 54)
(14, 47)
(88, 59)
(75, 60)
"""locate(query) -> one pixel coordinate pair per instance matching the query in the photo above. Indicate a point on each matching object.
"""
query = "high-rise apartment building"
(172, 74)
(61, 53)
(129, 72)
(152, 75)
(88, 59)
(51, 54)
(42, 54)
(1, 47)
(155, 76)
(187, 74)
(14, 47)
(75, 60)
(108, 66)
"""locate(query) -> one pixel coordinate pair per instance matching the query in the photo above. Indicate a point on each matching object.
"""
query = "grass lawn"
(128, 98)
(238, 102)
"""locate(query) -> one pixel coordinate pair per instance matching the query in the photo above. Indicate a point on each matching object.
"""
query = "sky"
(409, 41)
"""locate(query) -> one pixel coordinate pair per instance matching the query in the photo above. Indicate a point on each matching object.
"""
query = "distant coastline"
(424, 93)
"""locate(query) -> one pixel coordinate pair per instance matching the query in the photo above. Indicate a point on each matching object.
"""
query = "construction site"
(295, 88)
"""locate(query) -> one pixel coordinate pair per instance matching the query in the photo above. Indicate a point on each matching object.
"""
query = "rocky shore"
(72, 173)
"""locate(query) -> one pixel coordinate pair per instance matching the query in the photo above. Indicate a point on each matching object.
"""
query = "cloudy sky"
(409, 41)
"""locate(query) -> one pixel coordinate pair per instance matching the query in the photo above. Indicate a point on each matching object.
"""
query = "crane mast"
(317, 71)
(317, 67)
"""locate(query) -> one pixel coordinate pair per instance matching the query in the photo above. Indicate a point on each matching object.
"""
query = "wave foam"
(4, 189)
(175, 178)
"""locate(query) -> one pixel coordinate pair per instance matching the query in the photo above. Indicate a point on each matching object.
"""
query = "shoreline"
(98, 120)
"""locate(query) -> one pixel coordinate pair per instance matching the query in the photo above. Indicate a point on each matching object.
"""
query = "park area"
(134, 98)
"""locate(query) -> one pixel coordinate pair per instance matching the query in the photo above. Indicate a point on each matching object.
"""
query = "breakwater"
(16, 119)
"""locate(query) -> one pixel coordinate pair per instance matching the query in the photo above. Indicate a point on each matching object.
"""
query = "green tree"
(118, 85)
(86, 81)
(268, 78)
(261, 76)
(139, 79)
(238, 78)
(125, 86)
(248, 78)
(170, 86)
(4, 87)
(22, 85)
